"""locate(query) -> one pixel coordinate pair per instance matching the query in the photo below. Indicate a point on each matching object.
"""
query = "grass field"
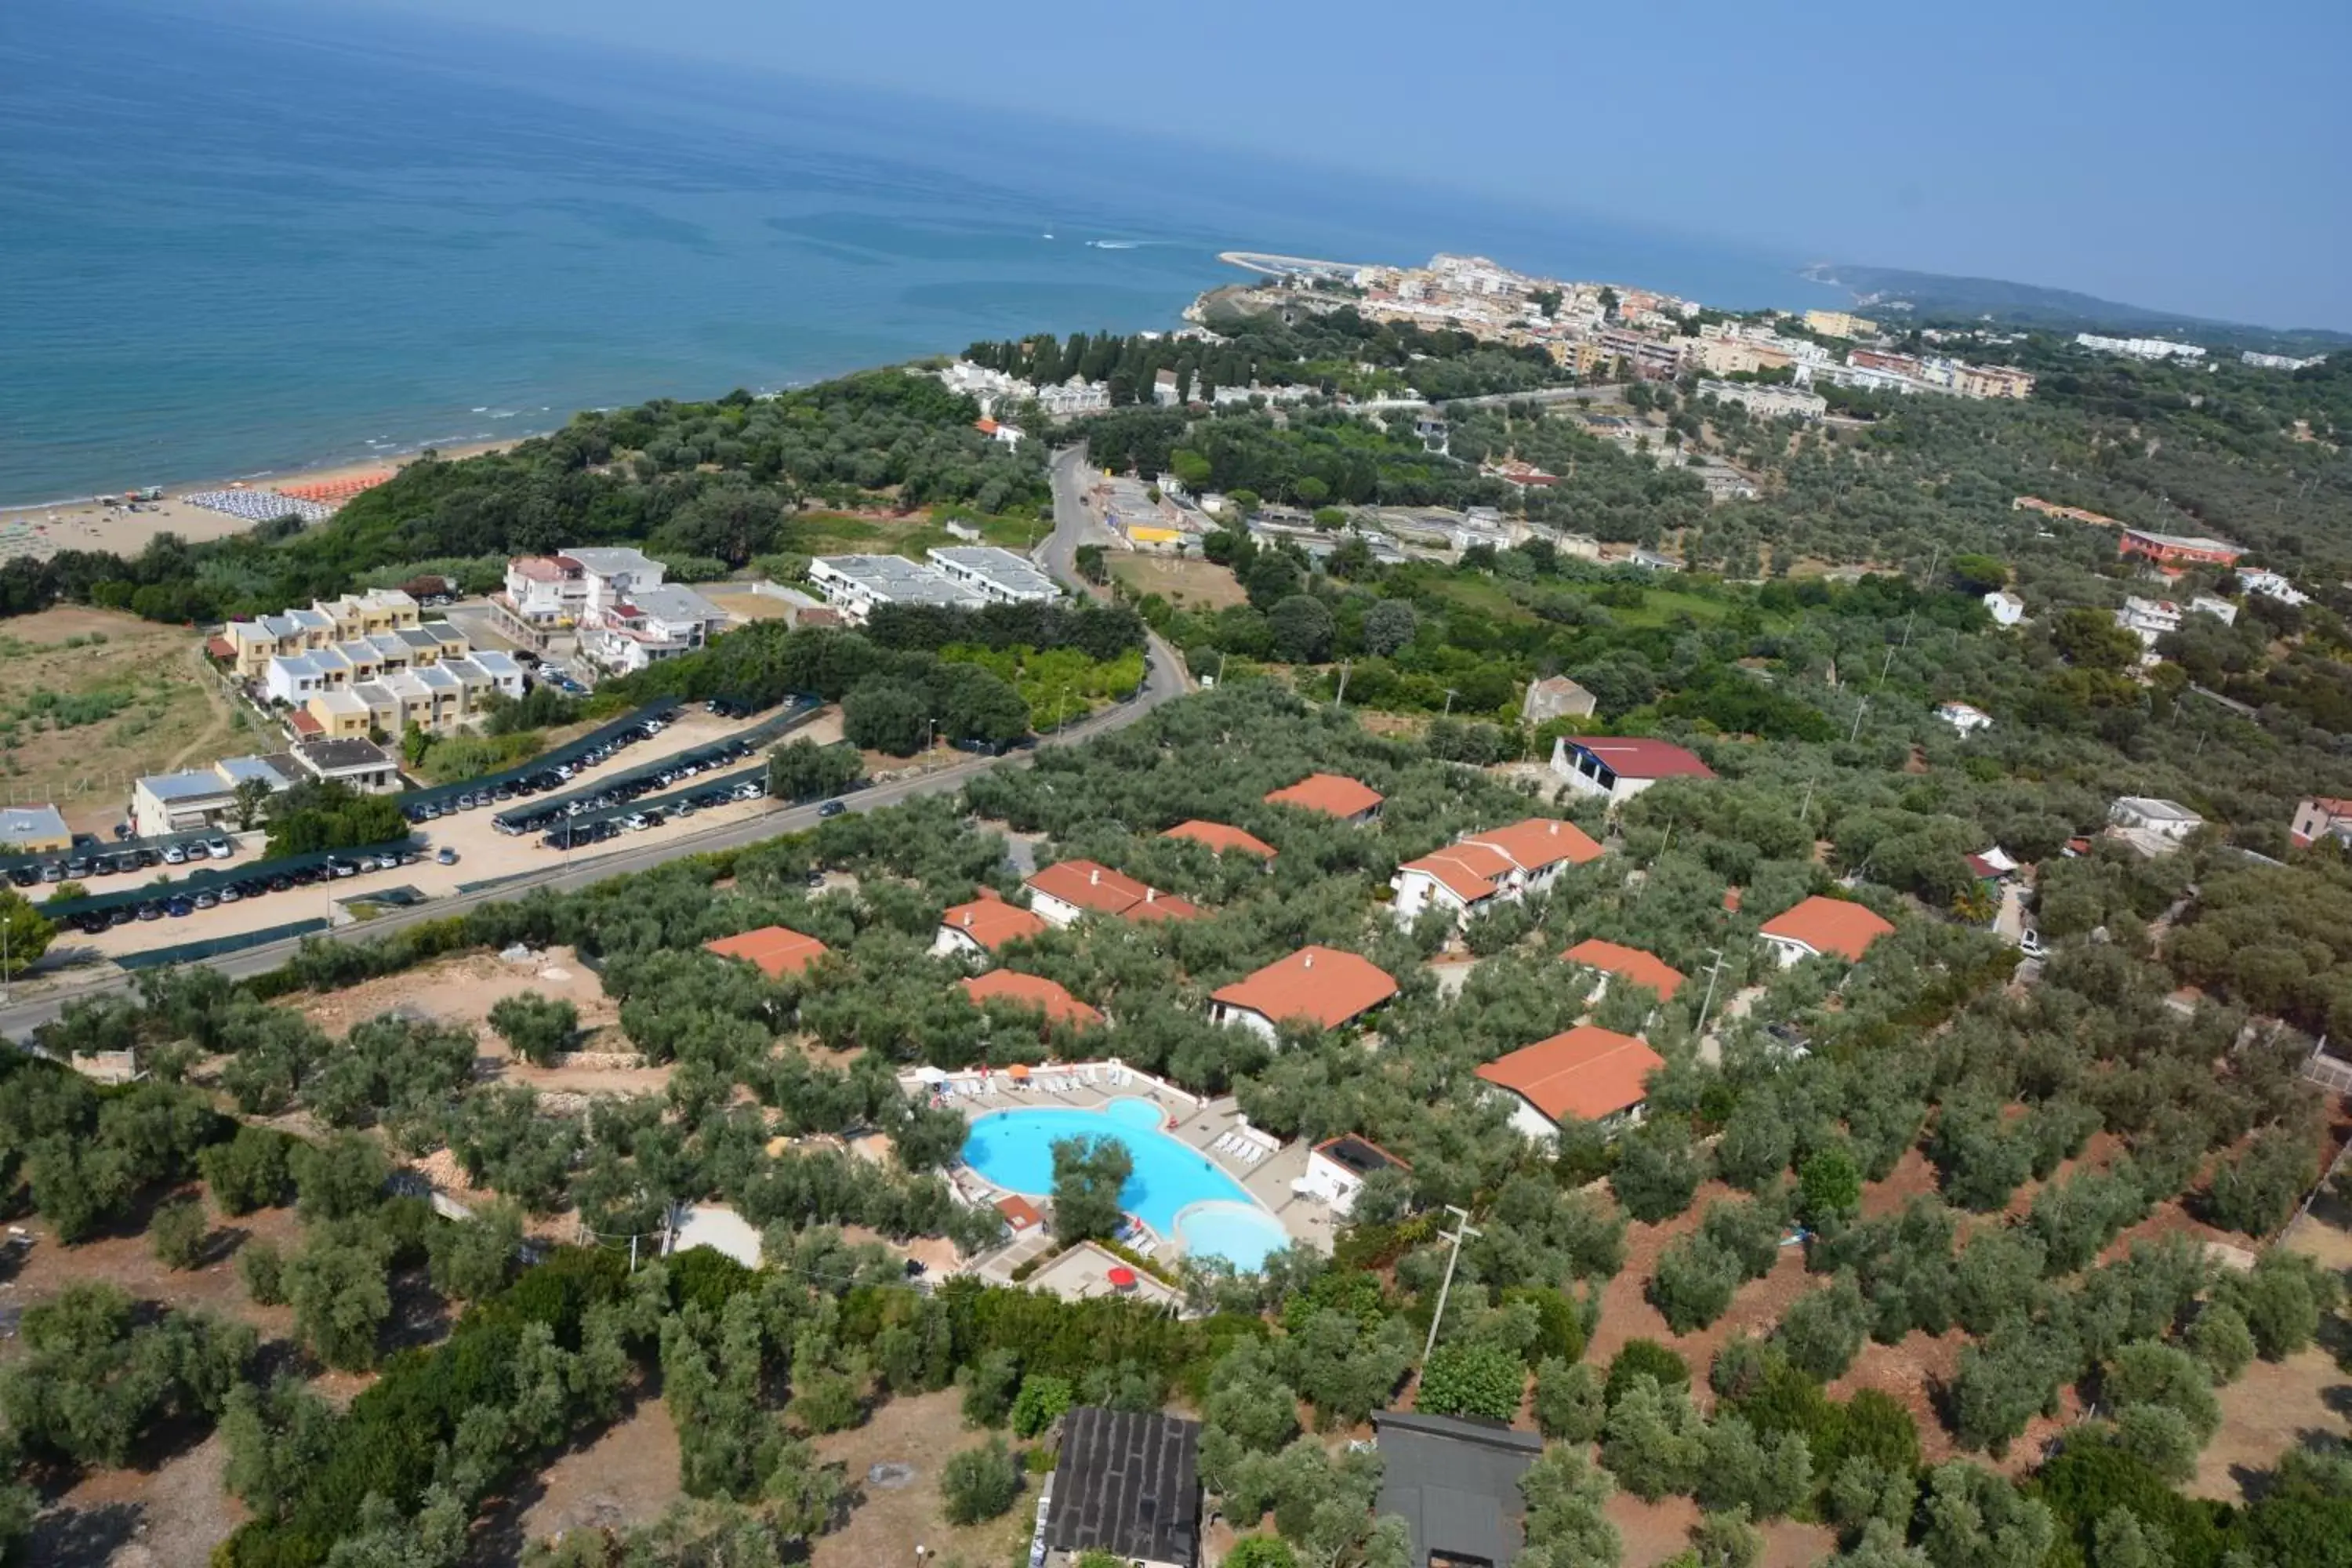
(90, 699)
(834, 533)
(1187, 585)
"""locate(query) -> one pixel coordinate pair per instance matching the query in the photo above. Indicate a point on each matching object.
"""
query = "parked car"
(175, 855)
(152, 909)
(180, 909)
(26, 876)
(446, 856)
(219, 848)
(146, 857)
(206, 900)
(2029, 942)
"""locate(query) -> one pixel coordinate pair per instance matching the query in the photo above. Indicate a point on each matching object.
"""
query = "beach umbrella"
(929, 1075)
(1018, 1072)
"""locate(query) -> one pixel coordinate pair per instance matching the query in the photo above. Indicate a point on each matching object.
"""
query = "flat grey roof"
(607, 560)
(187, 785)
(673, 603)
(1454, 1483)
(1012, 573)
(895, 580)
(418, 637)
(2153, 805)
(342, 751)
(32, 822)
(239, 769)
(1128, 1483)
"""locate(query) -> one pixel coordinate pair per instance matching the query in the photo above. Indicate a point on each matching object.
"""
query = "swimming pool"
(1014, 1149)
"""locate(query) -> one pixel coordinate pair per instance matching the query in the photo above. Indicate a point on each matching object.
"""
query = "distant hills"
(1931, 296)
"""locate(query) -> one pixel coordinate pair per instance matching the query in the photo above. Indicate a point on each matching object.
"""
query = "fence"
(213, 947)
(441, 794)
(802, 710)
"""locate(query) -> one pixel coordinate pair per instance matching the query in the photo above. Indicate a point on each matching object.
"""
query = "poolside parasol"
(1121, 1276)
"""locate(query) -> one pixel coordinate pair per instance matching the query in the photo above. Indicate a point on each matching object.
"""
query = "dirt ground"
(462, 990)
(885, 1523)
(626, 1475)
(1626, 1314)
(169, 1517)
(1655, 1532)
(152, 708)
(1188, 585)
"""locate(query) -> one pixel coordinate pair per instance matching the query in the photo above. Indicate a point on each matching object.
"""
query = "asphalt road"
(1163, 679)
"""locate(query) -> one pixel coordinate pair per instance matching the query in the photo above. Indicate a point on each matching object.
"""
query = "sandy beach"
(41, 532)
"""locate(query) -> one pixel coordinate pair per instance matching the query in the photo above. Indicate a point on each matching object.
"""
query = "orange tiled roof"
(993, 922)
(1030, 991)
(1221, 838)
(1321, 984)
(1540, 842)
(1328, 794)
(1469, 871)
(1641, 968)
(1089, 886)
(1589, 1071)
(1830, 926)
(777, 950)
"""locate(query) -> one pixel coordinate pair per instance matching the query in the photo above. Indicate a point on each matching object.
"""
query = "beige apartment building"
(251, 645)
(1839, 324)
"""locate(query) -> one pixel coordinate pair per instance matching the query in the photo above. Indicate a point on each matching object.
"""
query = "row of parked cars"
(554, 775)
(81, 864)
(569, 835)
(180, 905)
(621, 792)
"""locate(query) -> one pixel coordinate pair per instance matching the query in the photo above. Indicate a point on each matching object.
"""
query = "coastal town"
(1438, 913)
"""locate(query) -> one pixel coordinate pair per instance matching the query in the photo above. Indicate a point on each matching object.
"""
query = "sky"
(2183, 157)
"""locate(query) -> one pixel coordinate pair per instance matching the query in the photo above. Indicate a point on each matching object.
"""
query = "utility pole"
(1449, 695)
(1805, 806)
(1341, 699)
(1461, 1228)
(1712, 971)
(1856, 734)
(1222, 655)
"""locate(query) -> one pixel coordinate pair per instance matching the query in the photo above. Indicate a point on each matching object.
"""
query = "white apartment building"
(2150, 618)
(2139, 347)
(997, 575)
(646, 624)
(555, 591)
(1075, 395)
(2220, 610)
(2271, 584)
(1964, 717)
(855, 584)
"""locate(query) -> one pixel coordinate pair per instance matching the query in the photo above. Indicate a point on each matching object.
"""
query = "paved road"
(1163, 680)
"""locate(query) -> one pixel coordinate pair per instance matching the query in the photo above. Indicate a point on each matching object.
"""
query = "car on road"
(446, 856)
(833, 808)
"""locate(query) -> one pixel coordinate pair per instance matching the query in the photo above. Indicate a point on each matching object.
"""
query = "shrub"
(1569, 1406)
(249, 1171)
(341, 1299)
(1644, 1357)
(1694, 1283)
(264, 1272)
(989, 1387)
(1766, 1476)
(1472, 1377)
(1828, 1187)
(2282, 1299)
(1658, 1169)
(178, 1231)
(2221, 1339)
(1821, 1332)
(1043, 1400)
(537, 1028)
(2257, 1192)
(341, 1178)
(1652, 1441)
(980, 1483)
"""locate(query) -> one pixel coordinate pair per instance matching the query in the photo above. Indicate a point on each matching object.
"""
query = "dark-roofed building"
(1336, 1169)
(1456, 1484)
(1127, 1482)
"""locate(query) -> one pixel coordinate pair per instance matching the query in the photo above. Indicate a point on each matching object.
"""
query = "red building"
(2174, 552)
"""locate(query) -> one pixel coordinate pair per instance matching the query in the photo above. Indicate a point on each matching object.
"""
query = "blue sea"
(248, 242)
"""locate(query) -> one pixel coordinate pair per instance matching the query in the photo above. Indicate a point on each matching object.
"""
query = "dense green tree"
(1087, 1176)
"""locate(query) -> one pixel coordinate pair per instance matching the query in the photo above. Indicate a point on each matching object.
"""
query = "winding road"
(1163, 679)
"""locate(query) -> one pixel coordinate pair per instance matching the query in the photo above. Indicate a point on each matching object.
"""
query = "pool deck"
(1201, 1124)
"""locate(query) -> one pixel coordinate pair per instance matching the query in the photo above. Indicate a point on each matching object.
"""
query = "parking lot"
(481, 853)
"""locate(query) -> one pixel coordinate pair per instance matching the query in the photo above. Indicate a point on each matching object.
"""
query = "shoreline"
(43, 529)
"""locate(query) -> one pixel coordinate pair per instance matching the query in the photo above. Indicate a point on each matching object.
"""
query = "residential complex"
(613, 602)
(1588, 1074)
(2321, 816)
(1766, 401)
(1621, 768)
(960, 577)
(1320, 986)
(2171, 554)
(196, 798)
(1839, 324)
(33, 830)
(366, 664)
(1824, 927)
(2139, 347)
